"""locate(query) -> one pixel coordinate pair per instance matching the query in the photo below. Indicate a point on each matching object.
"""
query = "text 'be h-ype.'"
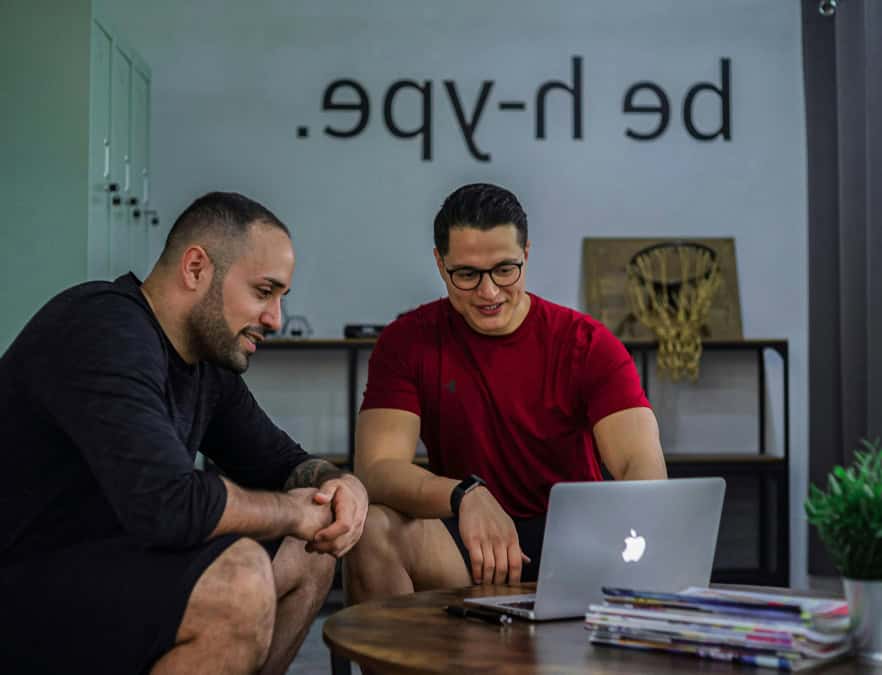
(350, 98)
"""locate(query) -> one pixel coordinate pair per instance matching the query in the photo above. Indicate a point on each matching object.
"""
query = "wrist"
(462, 489)
(312, 473)
(290, 511)
(471, 496)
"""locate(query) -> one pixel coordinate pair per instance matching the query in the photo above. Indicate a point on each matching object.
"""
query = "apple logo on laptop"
(634, 548)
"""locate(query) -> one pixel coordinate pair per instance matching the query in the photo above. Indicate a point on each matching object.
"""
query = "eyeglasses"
(469, 278)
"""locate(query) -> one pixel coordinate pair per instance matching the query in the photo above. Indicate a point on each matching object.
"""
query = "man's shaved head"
(218, 222)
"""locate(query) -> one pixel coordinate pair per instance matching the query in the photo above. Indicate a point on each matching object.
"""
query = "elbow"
(374, 475)
(364, 466)
(180, 514)
(364, 471)
(647, 468)
(154, 531)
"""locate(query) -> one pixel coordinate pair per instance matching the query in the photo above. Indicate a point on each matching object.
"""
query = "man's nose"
(272, 317)
(487, 288)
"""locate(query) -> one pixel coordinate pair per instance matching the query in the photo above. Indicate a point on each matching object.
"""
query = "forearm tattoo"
(312, 473)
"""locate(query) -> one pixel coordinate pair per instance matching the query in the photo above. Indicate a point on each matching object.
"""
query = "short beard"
(210, 336)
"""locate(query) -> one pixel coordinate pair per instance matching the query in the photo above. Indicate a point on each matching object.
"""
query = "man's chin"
(237, 362)
(242, 363)
(490, 325)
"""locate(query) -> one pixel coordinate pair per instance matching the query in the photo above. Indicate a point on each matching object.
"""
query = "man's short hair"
(482, 206)
(219, 222)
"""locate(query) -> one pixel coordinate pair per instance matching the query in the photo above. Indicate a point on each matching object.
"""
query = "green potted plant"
(848, 518)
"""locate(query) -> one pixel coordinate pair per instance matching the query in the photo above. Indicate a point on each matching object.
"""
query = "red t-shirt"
(517, 409)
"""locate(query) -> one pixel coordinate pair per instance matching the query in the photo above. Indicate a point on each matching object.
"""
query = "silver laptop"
(651, 535)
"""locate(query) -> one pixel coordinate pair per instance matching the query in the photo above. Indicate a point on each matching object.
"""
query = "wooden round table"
(412, 634)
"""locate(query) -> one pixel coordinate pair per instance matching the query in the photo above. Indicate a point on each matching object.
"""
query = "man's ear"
(527, 251)
(196, 268)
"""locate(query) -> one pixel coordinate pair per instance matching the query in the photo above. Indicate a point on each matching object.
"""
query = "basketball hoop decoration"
(671, 286)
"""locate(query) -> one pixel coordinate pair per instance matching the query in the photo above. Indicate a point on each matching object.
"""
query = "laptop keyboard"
(520, 604)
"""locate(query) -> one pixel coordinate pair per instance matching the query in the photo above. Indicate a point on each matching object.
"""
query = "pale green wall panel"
(44, 85)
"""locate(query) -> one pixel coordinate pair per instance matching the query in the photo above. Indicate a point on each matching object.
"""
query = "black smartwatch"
(462, 490)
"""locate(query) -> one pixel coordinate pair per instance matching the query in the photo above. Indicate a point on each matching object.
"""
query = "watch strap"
(462, 489)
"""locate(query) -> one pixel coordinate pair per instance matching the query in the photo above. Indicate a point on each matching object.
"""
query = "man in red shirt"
(509, 393)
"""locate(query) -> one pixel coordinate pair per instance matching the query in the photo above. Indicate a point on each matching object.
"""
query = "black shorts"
(530, 534)
(106, 606)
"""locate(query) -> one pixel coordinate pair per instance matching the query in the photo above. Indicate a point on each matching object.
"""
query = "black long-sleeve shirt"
(100, 422)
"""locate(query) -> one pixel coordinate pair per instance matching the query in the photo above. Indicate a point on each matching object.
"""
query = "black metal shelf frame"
(771, 472)
(351, 349)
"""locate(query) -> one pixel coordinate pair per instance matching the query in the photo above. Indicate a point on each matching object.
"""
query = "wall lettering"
(348, 103)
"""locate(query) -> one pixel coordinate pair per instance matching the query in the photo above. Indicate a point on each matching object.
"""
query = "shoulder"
(577, 327)
(95, 314)
(121, 312)
(110, 325)
(93, 330)
(428, 315)
(416, 325)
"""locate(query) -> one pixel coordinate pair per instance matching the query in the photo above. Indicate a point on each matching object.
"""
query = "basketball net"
(671, 287)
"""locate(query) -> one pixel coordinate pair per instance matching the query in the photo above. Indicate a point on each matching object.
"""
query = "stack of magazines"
(759, 629)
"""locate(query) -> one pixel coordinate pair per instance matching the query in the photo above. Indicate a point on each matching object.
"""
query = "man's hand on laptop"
(491, 539)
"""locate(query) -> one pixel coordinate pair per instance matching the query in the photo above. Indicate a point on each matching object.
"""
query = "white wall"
(233, 81)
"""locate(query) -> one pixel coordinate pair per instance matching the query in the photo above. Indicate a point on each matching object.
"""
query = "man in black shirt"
(117, 555)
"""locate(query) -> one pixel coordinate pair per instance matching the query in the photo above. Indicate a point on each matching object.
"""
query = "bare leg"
(228, 622)
(398, 555)
(302, 583)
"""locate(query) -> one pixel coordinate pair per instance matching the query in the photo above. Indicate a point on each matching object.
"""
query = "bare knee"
(377, 566)
(234, 602)
(381, 538)
(296, 570)
(316, 574)
(322, 568)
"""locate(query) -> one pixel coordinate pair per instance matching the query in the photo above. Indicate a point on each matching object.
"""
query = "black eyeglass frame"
(481, 272)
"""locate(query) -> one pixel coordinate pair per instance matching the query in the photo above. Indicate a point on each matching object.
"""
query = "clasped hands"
(331, 516)
(491, 539)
